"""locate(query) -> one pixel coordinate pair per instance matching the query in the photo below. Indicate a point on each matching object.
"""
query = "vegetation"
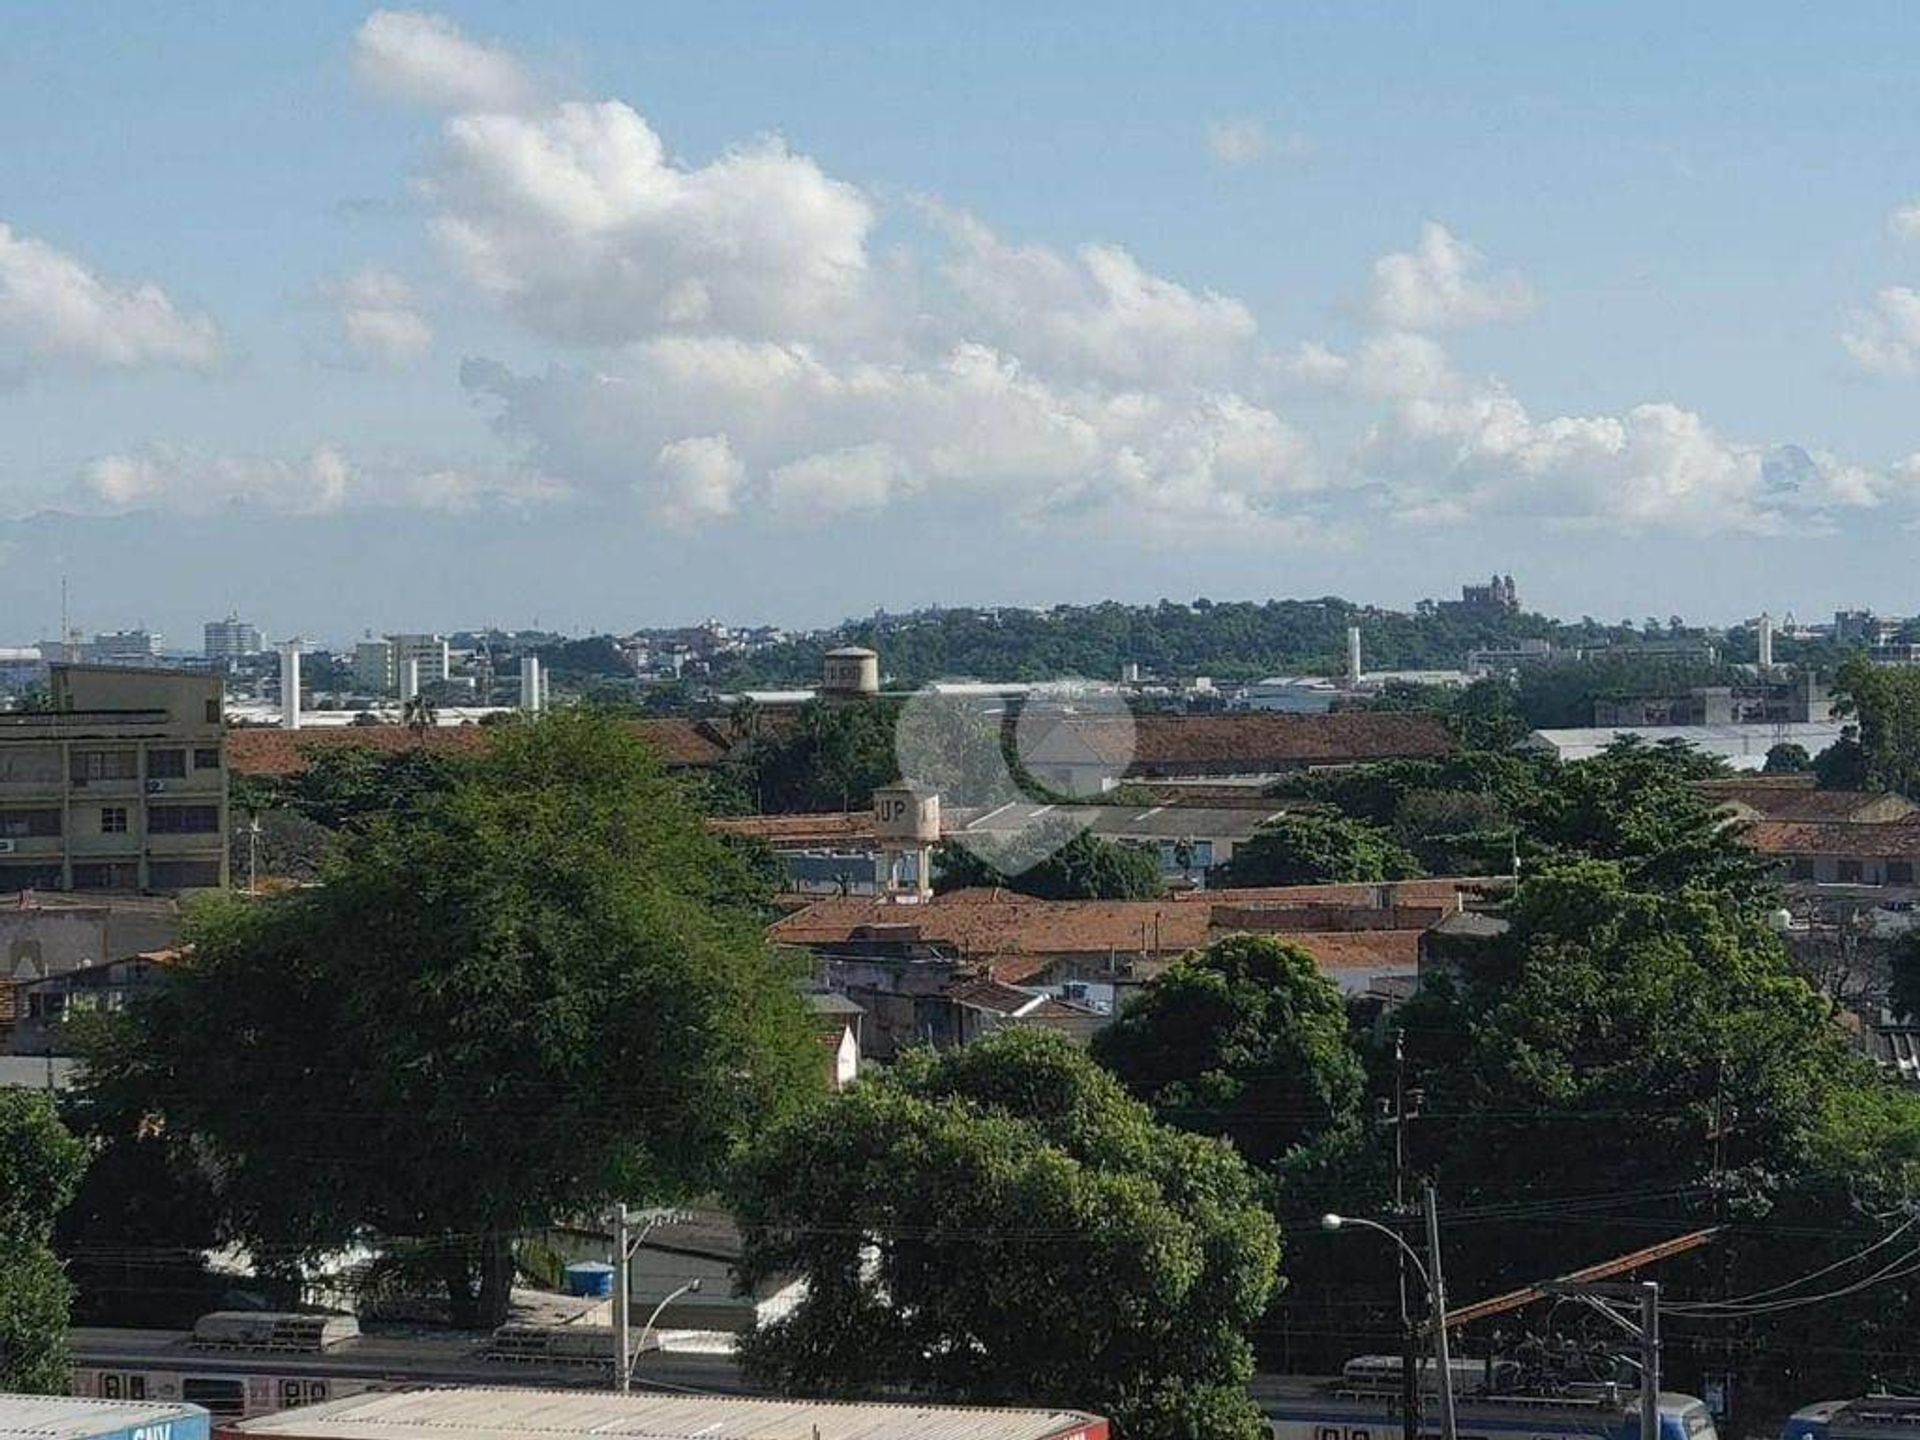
(1787, 758)
(1310, 849)
(1003, 1224)
(1245, 1040)
(1885, 701)
(527, 995)
(40, 1164)
(1055, 864)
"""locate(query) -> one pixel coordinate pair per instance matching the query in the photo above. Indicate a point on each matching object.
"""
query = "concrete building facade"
(120, 786)
(230, 639)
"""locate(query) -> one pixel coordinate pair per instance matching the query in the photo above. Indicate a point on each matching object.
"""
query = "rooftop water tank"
(590, 1279)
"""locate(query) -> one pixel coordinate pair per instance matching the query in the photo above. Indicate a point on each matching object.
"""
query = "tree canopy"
(1885, 702)
(40, 1165)
(1310, 849)
(1003, 1224)
(1078, 866)
(530, 994)
(1244, 1039)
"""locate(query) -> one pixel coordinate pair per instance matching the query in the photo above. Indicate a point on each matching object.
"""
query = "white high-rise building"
(231, 639)
(383, 665)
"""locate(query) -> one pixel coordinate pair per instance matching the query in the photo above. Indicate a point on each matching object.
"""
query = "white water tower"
(906, 821)
(290, 685)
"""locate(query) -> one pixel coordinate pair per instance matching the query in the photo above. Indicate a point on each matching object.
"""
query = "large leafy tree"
(1246, 1040)
(530, 994)
(1310, 849)
(40, 1164)
(1885, 702)
(1003, 1224)
(1074, 865)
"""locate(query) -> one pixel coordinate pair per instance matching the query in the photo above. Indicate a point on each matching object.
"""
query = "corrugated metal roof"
(68, 1417)
(503, 1414)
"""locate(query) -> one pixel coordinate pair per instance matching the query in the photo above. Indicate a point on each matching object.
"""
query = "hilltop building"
(381, 666)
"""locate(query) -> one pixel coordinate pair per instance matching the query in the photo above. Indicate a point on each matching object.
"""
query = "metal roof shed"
(65, 1417)
(483, 1413)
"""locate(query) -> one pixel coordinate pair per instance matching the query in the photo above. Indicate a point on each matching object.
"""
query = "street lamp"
(692, 1287)
(1436, 1293)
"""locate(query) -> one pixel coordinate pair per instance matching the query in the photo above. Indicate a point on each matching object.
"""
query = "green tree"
(1310, 849)
(1003, 1224)
(1885, 703)
(1245, 1039)
(40, 1164)
(528, 996)
(1843, 764)
(1787, 758)
(1082, 867)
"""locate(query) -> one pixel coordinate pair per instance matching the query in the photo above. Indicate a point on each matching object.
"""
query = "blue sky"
(620, 315)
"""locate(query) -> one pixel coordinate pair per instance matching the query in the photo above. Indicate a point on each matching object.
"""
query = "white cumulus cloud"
(324, 481)
(57, 314)
(1439, 285)
(700, 479)
(380, 318)
(1885, 339)
(576, 220)
(424, 59)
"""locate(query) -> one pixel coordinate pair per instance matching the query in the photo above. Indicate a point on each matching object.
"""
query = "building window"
(113, 820)
(206, 759)
(1801, 868)
(1899, 872)
(24, 824)
(105, 765)
(184, 874)
(167, 764)
(1847, 872)
(183, 819)
(123, 875)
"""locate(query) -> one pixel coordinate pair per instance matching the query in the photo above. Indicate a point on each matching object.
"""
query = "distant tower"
(532, 697)
(906, 821)
(1766, 641)
(410, 680)
(850, 673)
(290, 685)
(1353, 655)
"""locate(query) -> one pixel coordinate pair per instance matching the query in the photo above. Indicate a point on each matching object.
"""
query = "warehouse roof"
(66, 1417)
(502, 1414)
(1744, 747)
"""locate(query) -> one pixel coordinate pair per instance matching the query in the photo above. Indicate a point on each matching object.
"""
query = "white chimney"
(410, 682)
(1766, 641)
(290, 685)
(1353, 655)
(532, 698)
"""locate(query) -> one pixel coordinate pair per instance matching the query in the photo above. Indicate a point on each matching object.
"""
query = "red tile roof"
(278, 754)
(1246, 743)
(1896, 841)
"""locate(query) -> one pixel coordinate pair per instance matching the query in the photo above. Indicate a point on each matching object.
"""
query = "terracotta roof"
(1016, 936)
(278, 754)
(1771, 801)
(832, 827)
(1897, 841)
(1432, 890)
(1248, 742)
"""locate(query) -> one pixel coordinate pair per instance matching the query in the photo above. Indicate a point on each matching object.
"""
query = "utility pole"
(1409, 1344)
(1438, 1295)
(1650, 1360)
(622, 1257)
(1611, 1300)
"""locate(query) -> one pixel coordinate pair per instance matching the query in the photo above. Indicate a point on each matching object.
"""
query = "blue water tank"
(591, 1279)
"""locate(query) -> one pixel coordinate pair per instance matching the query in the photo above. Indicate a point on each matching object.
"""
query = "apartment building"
(120, 786)
(380, 666)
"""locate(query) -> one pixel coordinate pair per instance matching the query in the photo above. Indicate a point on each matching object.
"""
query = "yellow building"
(120, 786)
